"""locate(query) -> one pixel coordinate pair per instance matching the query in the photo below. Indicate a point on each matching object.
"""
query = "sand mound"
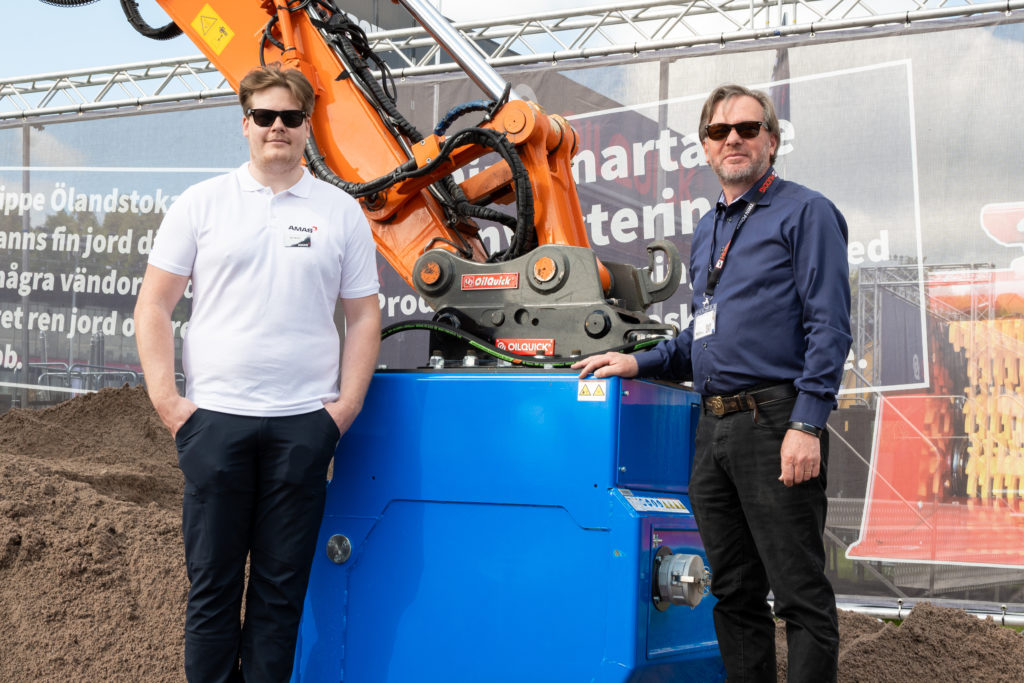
(92, 577)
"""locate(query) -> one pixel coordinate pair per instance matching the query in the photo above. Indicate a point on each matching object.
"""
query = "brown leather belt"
(748, 400)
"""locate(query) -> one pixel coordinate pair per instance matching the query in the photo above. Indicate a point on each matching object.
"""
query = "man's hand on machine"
(610, 364)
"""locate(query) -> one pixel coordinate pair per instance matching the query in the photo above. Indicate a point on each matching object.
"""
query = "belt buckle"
(717, 406)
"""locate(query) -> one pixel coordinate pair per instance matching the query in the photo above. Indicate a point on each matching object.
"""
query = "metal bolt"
(339, 548)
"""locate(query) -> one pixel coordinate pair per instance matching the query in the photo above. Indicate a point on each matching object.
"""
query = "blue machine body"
(503, 526)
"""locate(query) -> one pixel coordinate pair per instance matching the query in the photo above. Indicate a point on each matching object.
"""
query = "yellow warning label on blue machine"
(592, 390)
(212, 29)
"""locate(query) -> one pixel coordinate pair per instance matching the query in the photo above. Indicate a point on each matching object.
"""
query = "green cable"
(491, 350)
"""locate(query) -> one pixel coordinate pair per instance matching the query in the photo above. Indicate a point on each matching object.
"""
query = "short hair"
(273, 76)
(727, 92)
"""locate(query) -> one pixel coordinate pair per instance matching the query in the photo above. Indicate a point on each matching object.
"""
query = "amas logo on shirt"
(299, 236)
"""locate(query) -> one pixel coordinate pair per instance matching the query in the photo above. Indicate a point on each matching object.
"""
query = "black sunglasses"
(746, 129)
(292, 118)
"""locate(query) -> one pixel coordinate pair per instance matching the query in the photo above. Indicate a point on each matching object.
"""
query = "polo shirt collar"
(302, 188)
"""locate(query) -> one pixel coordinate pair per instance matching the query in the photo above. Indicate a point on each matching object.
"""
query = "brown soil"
(933, 644)
(92, 577)
(92, 569)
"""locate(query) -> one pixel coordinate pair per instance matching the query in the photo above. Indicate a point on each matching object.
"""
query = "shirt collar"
(302, 188)
(768, 182)
(751, 194)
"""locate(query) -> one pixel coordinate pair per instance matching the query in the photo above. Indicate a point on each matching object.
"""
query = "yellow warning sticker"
(212, 29)
(592, 390)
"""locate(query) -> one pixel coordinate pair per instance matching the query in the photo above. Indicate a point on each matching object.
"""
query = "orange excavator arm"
(551, 287)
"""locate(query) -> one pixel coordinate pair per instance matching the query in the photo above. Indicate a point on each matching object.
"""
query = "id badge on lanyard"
(704, 321)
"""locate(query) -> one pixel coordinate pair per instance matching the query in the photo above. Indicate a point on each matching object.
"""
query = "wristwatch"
(805, 428)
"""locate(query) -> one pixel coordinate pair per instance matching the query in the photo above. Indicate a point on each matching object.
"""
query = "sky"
(57, 39)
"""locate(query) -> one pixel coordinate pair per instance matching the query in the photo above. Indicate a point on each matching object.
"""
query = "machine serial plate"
(667, 505)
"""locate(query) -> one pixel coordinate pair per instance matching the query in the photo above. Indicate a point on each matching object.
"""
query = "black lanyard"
(715, 268)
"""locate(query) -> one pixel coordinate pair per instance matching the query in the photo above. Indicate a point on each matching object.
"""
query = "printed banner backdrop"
(912, 135)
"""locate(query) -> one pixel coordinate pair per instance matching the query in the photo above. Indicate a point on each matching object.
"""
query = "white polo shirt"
(267, 271)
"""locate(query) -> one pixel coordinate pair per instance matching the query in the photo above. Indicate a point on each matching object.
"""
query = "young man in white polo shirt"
(269, 250)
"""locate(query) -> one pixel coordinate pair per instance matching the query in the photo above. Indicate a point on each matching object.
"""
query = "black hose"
(352, 41)
(131, 11)
(524, 237)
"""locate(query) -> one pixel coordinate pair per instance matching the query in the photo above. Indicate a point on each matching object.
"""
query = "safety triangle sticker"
(207, 23)
(592, 390)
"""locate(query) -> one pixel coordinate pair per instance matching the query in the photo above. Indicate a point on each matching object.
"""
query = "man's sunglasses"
(746, 129)
(263, 118)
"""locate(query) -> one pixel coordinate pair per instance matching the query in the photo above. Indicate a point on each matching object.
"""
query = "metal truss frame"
(631, 27)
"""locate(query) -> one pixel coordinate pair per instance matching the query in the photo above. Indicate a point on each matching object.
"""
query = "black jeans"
(254, 487)
(761, 535)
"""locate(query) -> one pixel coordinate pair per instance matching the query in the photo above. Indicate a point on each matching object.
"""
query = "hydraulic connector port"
(678, 579)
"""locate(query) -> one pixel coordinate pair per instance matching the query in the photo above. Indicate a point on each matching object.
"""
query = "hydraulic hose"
(524, 236)
(491, 350)
(350, 41)
(166, 32)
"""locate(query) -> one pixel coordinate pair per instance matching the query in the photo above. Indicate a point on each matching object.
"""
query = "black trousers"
(254, 487)
(761, 535)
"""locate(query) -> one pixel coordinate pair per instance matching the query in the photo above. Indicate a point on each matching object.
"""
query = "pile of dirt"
(93, 585)
(931, 644)
(92, 569)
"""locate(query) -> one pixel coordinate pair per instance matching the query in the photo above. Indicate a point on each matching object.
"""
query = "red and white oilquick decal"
(490, 281)
(527, 347)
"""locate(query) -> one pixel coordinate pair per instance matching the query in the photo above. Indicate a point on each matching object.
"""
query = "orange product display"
(994, 408)
(947, 477)
(909, 514)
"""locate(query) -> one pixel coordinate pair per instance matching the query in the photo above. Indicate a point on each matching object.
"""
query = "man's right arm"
(609, 364)
(159, 294)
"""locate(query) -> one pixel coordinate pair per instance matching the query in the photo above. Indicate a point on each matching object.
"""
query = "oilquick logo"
(491, 281)
(527, 347)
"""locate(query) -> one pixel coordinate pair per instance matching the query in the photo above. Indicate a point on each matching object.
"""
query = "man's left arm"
(358, 358)
(822, 279)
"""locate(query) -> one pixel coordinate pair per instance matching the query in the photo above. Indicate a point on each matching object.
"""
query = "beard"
(757, 163)
(750, 172)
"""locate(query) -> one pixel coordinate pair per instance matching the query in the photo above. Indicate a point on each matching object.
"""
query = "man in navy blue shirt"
(765, 348)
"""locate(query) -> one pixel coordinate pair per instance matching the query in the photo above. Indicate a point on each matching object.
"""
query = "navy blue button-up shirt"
(782, 304)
